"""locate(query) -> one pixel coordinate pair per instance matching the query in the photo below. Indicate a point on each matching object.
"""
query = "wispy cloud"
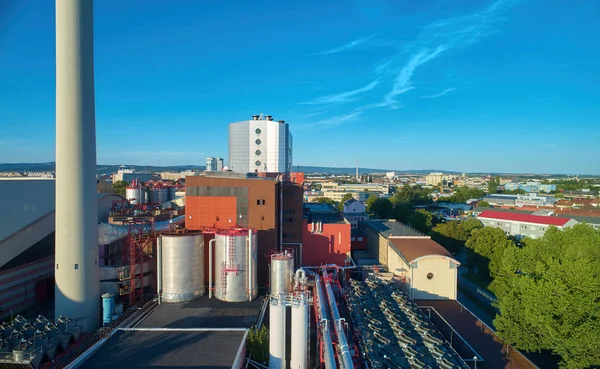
(330, 122)
(440, 94)
(342, 97)
(347, 46)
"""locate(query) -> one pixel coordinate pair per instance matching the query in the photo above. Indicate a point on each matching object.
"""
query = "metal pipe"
(250, 245)
(159, 283)
(210, 265)
(339, 329)
(299, 278)
(328, 353)
(280, 215)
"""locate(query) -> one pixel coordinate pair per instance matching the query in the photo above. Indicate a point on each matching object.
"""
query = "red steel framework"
(141, 235)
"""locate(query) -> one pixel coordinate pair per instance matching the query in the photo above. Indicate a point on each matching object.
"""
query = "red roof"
(528, 218)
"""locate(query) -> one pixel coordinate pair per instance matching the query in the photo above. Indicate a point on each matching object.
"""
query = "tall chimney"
(76, 270)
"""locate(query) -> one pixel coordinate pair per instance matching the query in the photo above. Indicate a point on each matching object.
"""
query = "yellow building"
(428, 270)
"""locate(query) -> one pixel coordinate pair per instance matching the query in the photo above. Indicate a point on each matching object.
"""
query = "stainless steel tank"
(135, 195)
(235, 265)
(282, 273)
(182, 263)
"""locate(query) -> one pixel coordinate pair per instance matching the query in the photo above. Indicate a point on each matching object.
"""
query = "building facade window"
(258, 131)
(260, 202)
(429, 275)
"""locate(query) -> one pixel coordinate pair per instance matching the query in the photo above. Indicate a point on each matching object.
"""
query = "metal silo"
(135, 195)
(152, 196)
(235, 265)
(162, 195)
(172, 191)
(300, 331)
(282, 273)
(181, 268)
(277, 318)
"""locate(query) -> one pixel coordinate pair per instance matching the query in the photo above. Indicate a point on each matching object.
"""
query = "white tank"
(135, 195)
(300, 331)
(277, 312)
(282, 273)
(182, 267)
(235, 265)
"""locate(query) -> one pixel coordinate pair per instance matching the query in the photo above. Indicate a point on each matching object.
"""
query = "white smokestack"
(76, 269)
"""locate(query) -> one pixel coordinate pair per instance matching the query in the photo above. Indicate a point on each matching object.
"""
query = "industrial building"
(427, 269)
(128, 175)
(523, 225)
(260, 145)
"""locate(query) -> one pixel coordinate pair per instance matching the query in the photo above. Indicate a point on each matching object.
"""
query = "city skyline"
(472, 87)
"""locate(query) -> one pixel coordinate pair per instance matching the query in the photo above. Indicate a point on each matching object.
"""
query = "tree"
(370, 202)
(412, 195)
(325, 200)
(401, 212)
(464, 193)
(258, 344)
(120, 187)
(493, 184)
(382, 207)
(420, 220)
(488, 245)
(345, 198)
(550, 296)
(484, 204)
(452, 235)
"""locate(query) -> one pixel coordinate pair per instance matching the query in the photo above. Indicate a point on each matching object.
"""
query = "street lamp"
(475, 361)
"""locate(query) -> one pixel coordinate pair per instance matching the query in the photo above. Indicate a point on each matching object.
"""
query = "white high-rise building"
(260, 145)
(214, 164)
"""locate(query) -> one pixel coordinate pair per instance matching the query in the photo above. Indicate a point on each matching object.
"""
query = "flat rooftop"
(181, 349)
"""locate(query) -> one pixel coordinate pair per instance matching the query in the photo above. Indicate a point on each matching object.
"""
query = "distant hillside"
(46, 167)
(332, 170)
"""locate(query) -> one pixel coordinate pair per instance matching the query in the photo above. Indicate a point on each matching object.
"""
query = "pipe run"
(300, 280)
(211, 243)
(346, 356)
(159, 268)
(328, 353)
(249, 278)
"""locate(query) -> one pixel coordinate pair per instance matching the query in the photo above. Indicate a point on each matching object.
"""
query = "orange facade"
(210, 211)
(329, 246)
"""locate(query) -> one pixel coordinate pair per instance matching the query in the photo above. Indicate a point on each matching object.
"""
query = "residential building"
(260, 145)
(427, 269)
(523, 225)
(390, 175)
(214, 164)
(337, 196)
(434, 179)
(530, 187)
(354, 212)
(272, 207)
(500, 199)
(593, 221)
(381, 188)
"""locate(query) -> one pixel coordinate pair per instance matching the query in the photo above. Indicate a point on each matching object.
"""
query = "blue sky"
(492, 86)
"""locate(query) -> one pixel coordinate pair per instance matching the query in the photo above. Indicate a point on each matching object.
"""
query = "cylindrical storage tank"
(108, 307)
(162, 194)
(282, 274)
(133, 194)
(182, 267)
(300, 330)
(152, 196)
(277, 334)
(172, 191)
(235, 270)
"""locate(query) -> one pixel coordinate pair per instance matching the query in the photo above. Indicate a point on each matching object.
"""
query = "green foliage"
(412, 195)
(493, 185)
(452, 235)
(487, 245)
(257, 344)
(462, 194)
(325, 200)
(484, 204)
(381, 208)
(420, 220)
(120, 187)
(549, 298)
(345, 198)
(518, 191)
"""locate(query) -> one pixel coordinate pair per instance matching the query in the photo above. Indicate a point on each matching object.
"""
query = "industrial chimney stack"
(76, 269)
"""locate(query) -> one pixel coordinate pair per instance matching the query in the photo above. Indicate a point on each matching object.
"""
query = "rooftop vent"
(255, 117)
(282, 121)
(269, 117)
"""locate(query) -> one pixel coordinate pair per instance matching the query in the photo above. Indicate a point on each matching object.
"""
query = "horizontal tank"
(282, 273)
(235, 265)
(182, 264)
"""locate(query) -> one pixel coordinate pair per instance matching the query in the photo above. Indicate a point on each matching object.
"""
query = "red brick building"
(326, 243)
